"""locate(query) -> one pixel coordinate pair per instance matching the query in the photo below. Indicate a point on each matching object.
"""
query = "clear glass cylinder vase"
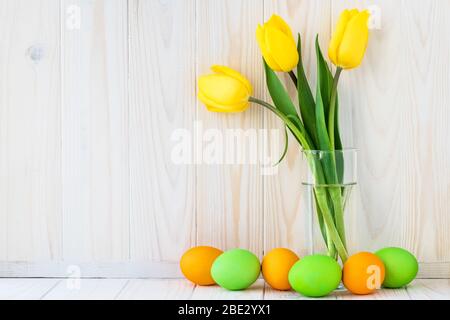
(328, 178)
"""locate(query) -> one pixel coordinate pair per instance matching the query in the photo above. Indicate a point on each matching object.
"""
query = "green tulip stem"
(332, 231)
(293, 77)
(335, 192)
(330, 243)
(298, 132)
(337, 198)
(332, 115)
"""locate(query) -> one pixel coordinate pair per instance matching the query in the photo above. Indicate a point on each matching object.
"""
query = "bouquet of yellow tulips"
(314, 124)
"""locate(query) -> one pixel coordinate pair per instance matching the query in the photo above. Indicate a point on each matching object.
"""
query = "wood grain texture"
(434, 270)
(157, 290)
(272, 294)
(162, 100)
(382, 294)
(429, 289)
(87, 117)
(254, 292)
(399, 102)
(86, 289)
(287, 223)
(140, 289)
(143, 269)
(30, 131)
(25, 289)
(230, 196)
(95, 131)
(89, 270)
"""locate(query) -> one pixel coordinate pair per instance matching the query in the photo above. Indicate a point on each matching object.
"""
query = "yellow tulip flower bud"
(226, 90)
(349, 41)
(277, 44)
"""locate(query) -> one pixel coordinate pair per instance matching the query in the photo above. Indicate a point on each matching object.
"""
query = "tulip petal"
(229, 109)
(234, 74)
(339, 34)
(277, 22)
(282, 49)
(261, 38)
(223, 89)
(353, 12)
(217, 107)
(354, 42)
(223, 92)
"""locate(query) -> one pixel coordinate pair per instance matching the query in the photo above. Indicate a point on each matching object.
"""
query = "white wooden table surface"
(151, 289)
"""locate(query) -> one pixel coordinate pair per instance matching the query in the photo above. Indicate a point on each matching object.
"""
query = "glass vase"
(328, 180)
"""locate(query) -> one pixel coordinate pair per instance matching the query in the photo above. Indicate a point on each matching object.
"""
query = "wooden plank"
(287, 223)
(255, 292)
(86, 289)
(93, 289)
(142, 269)
(30, 131)
(157, 290)
(229, 193)
(436, 270)
(162, 100)
(95, 130)
(271, 294)
(94, 269)
(25, 289)
(429, 289)
(382, 294)
(399, 103)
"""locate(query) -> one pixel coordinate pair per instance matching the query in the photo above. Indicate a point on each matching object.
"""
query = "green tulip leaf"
(337, 135)
(305, 98)
(322, 129)
(286, 146)
(278, 93)
(320, 219)
(326, 84)
(326, 79)
(322, 133)
(309, 144)
(338, 146)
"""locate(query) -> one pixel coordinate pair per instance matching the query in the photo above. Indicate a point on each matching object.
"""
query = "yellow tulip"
(349, 41)
(277, 44)
(226, 90)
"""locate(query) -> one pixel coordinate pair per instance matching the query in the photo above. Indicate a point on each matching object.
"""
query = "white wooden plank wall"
(95, 171)
(230, 197)
(88, 107)
(30, 131)
(162, 99)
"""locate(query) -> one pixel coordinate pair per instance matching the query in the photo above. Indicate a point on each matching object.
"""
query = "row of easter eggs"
(312, 276)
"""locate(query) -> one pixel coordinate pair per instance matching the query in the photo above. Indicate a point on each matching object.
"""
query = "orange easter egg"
(363, 273)
(196, 264)
(275, 268)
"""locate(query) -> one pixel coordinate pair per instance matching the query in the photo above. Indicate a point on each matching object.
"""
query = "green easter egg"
(236, 269)
(315, 276)
(401, 267)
